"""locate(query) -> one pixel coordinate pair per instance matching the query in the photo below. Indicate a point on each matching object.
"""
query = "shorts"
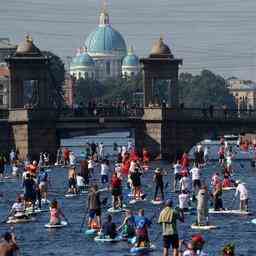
(1, 170)
(94, 212)
(43, 186)
(222, 157)
(71, 182)
(171, 240)
(116, 192)
(104, 179)
(177, 176)
(197, 183)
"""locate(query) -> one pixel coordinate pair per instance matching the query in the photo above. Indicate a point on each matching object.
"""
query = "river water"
(34, 239)
(218, 35)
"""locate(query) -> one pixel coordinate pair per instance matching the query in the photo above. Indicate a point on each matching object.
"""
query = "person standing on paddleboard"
(244, 197)
(168, 219)
(55, 213)
(202, 206)
(94, 206)
(177, 170)
(116, 188)
(159, 183)
(196, 175)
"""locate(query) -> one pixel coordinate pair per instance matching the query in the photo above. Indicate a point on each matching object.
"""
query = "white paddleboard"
(70, 195)
(116, 210)
(61, 225)
(29, 211)
(229, 212)
(205, 227)
(139, 250)
(17, 221)
(157, 202)
(137, 201)
(107, 239)
(253, 221)
(228, 188)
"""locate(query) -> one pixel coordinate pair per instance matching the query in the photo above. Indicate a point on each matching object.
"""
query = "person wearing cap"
(168, 219)
(8, 244)
(244, 198)
(159, 183)
(194, 247)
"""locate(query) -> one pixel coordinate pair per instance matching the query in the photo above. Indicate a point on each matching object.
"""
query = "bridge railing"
(211, 114)
(102, 112)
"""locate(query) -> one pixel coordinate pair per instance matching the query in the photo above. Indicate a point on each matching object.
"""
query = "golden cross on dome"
(162, 37)
(104, 6)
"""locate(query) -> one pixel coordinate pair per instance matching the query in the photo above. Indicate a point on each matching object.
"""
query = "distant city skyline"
(216, 35)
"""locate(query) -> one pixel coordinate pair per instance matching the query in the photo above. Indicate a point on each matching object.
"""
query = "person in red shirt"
(227, 182)
(66, 153)
(116, 187)
(32, 168)
(185, 161)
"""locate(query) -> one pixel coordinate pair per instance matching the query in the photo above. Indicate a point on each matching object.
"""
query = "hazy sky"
(214, 34)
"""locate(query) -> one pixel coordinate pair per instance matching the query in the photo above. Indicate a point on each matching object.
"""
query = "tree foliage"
(201, 90)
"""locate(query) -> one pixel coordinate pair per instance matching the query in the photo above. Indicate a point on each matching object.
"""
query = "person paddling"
(202, 206)
(128, 225)
(159, 183)
(244, 197)
(94, 206)
(109, 228)
(168, 219)
(116, 188)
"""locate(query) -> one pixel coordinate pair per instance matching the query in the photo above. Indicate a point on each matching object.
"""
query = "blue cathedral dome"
(105, 39)
(131, 59)
(85, 59)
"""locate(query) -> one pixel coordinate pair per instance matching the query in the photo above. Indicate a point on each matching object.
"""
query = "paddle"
(83, 221)
(232, 203)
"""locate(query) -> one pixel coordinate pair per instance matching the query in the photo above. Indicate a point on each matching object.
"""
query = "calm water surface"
(34, 239)
(218, 35)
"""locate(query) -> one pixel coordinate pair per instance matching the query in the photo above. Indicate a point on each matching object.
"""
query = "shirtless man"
(8, 245)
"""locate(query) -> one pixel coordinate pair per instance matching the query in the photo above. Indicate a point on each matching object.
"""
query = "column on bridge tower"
(32, 118)
(160, 65)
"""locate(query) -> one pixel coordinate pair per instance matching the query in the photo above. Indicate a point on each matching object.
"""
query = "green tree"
(204, 90)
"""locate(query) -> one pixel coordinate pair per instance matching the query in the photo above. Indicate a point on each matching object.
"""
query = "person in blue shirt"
(141, 225)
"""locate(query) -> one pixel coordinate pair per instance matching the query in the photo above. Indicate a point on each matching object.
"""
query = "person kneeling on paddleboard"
(55, 213)
(168, 218)
(142, 224)
(18, 209)
(193, 248)
(109, 228)
(128, 225)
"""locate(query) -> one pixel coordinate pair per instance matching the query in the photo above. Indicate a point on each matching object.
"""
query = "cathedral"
(104, 54)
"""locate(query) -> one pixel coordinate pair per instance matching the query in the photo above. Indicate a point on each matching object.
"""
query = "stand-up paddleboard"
(106, 239)
(29, 211)
(140, 250)
(61, 225)
(229, 212)
(116, 210)
(83, 192)
(48, 170)
(253, 221)
(228, 188)
(91, 232)
(71, 195)
(157, 202)
(204, 227)
(13, 220)
(134, 201)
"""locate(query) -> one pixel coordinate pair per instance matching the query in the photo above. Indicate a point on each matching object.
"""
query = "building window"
(132, 73)
(1, 100)
(79, 74)
(85, 75)
(1, 87)
(108, 67)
